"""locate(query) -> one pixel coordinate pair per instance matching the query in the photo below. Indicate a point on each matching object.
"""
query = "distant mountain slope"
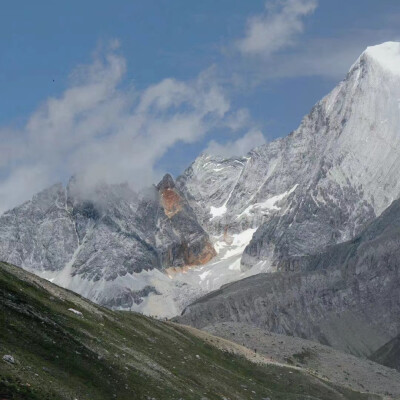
(347, 296)
(389, 354)
(56, 345)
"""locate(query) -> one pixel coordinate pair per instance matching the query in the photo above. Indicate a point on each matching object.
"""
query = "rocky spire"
(167, 182)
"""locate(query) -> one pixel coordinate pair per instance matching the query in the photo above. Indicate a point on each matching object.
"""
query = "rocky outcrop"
(346, 297)
(180, 238)
(171, 200)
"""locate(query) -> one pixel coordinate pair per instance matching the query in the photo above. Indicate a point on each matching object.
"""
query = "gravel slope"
(341, 368)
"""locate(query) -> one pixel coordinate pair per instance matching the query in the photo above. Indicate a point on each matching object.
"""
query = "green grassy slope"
(103, 354)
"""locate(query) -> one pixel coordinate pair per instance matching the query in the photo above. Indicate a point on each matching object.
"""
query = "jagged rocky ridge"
(62, 236)
(346, 297)
(314, 188)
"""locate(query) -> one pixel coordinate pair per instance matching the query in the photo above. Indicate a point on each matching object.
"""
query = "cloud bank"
(104, 132)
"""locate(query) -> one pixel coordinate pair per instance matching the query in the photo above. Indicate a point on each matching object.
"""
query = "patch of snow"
(204, 275)
(239, 243)
(217, 211)
(269, 204)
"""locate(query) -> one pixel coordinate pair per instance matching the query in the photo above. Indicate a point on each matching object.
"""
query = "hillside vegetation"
(65, 347)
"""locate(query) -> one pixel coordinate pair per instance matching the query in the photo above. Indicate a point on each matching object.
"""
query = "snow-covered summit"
(387, 55)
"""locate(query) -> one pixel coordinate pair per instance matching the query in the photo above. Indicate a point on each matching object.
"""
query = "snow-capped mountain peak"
(224, 219)
(387, 55)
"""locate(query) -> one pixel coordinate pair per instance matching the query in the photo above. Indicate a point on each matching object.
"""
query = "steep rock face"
(30, 234)
(112, 242)
(208, 184)
(346, 297)
(58, 229)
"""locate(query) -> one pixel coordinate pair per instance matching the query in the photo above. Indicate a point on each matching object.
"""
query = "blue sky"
(164, 80)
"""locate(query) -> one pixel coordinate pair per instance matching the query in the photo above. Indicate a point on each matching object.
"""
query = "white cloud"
(277, 28)
(239, 119)
(238, 147)
(102, 132)
(271, 47)
(328, 58)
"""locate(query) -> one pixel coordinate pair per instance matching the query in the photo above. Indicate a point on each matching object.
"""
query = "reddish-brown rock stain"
(204, 257)
(171, 202)
(192, 260)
